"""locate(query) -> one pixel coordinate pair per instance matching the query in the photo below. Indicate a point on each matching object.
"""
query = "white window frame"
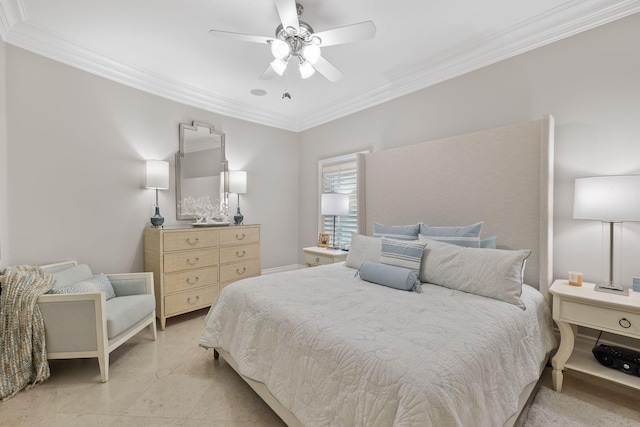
(347, 158)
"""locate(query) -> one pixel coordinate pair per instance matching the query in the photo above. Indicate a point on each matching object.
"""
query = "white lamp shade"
(237, 182)
(607, 198)
(156, 174)
(334, 204)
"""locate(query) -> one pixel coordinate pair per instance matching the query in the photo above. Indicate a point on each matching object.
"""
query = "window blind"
(341, 178)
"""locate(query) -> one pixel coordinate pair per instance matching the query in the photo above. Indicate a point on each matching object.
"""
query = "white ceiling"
(163, 47)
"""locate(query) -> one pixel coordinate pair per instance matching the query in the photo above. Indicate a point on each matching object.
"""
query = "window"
(339, 175)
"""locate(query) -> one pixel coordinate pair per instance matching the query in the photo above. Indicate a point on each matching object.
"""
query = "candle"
(575, 279)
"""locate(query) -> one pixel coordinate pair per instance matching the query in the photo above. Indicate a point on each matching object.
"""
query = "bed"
(322, 346)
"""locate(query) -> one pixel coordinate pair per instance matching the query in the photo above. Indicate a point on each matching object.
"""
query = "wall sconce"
(610, 199)
(157, 177)
(238, 185)
(334, 204)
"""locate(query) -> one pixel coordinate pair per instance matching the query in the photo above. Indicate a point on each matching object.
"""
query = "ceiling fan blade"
(325, 68)
(350, 33)
(288, 12)
(240, 36)
(268, 73)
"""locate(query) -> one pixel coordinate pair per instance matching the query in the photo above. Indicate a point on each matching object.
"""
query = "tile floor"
(173, 382)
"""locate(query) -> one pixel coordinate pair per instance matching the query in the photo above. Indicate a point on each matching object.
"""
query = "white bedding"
(338, 351)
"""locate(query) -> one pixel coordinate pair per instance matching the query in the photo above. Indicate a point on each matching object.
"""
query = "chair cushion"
(124, 312)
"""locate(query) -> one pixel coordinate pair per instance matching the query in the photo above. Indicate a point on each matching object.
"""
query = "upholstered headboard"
(502, 176)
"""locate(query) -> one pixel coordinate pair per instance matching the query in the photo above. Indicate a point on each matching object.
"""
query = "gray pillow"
(402, 253)
(98, 283)
(399, 232)
(363, 249)
(467, 235)
(489, 242)
(72, 275)
(492, 273)
(392, 276)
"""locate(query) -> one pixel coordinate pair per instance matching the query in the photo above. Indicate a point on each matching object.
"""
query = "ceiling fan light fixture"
(280, 49)
(306, 70)
(279, 66)
(311, 53)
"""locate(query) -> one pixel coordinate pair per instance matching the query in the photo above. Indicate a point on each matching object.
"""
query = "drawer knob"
(241, 254)
(241, 237)
(317, 259)
(192, 242)
(192, 280)
(241, 271)
(193, 302)
(193, 261)
(624, 323)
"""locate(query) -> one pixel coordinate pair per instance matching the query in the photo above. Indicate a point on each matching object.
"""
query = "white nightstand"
(319, 256)
(575, 306)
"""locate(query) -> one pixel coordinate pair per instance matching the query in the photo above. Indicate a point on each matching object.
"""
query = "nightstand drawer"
(181, 261)
(184, 240)
(321, 259)
(190, 279)
(601, 318)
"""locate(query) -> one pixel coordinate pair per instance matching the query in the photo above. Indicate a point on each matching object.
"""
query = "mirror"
(200, 166)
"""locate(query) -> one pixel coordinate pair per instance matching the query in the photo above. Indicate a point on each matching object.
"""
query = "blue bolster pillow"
(392, 276)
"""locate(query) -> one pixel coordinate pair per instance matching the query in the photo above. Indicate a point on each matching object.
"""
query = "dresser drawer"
(190, 279)
(184, 240)
(181, 261)
(239, 270)
(239, 253)
(190, 300)
(236, 236)
(601, 318)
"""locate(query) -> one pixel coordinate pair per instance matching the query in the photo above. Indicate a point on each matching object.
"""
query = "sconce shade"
(607, 198)
(156, 174)
(237, 182)
(334, 204)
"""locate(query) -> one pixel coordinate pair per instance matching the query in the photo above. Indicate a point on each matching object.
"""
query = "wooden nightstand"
(319, 256)
(575, 306)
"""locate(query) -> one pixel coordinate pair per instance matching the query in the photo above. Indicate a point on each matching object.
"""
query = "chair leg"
(152, 328)
(103, 361)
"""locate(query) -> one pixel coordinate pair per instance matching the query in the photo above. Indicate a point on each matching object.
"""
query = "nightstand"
(575, 306)
(320, 256)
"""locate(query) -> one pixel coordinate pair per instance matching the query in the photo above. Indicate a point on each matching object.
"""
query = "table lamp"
(609, 199)
(238, 185)
(334, 204)
(157, 177)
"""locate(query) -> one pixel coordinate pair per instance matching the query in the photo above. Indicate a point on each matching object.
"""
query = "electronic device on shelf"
(620, 358)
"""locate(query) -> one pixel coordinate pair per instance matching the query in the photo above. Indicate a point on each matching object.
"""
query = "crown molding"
(569, 19)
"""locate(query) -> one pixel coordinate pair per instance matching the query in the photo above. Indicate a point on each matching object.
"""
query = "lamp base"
(157, 220)
(238, 218)
(612, 289)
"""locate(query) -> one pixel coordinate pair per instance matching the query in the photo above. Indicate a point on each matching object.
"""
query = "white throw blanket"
(23, 357)
(338, 351)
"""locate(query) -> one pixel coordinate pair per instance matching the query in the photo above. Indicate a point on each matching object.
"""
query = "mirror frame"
(225, 165)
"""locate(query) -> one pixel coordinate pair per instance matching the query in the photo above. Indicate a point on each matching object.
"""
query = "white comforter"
(338, 351)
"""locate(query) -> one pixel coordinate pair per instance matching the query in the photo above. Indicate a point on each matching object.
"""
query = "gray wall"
(589, 82)
(77, 145)
(4, 223)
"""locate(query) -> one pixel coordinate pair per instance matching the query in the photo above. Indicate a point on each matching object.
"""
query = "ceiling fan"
(296, 38)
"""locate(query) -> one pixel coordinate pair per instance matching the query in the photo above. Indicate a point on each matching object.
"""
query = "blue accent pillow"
(399, 232)
(98, 283)
(467, 236)
(489, 242)
(392, 276)
(402, 253)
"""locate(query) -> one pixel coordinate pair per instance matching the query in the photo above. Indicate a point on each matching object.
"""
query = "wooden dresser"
(191, 265)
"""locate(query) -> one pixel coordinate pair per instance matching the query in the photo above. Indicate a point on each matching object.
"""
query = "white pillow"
(492, 273)
(363, 249)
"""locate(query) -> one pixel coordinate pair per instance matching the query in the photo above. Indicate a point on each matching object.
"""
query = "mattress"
(339, 351)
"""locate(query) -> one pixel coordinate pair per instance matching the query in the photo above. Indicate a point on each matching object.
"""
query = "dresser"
(191, 265)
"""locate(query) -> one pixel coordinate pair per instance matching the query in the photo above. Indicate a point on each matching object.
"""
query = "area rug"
(550, 408)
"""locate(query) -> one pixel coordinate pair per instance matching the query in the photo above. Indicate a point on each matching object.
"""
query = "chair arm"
(73, 321)
(131, 283)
